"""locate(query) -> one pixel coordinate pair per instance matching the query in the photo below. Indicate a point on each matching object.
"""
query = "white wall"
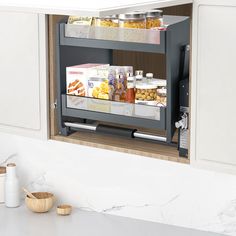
(128, 185)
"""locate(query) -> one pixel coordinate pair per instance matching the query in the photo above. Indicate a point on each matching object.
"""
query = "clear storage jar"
(133, 20)
(154, 19)
(108, 21)
(161, 92)
(146, 93)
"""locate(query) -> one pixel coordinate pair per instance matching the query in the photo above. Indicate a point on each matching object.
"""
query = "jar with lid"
(161, 91)
(133, 20)
(130, 93)
(146, 93)
(154, 19)
(138, 76)
(108, 21)
(149, 77)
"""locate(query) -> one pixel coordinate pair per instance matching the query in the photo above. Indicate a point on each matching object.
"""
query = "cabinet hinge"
(54, 105)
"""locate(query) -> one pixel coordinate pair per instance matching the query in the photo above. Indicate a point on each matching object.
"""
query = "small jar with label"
(154, 19)
(130, 93)
(133, 20)
(108, 21)
(146, 93)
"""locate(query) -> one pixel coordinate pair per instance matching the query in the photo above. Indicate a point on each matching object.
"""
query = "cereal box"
(77, 78)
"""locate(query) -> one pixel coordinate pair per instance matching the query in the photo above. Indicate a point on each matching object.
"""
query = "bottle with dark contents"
(130, 93)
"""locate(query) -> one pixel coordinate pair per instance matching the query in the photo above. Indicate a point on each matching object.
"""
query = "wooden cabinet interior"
(149, 63)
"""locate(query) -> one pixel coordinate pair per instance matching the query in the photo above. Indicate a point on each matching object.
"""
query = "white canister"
(2, 183)
(12, 190)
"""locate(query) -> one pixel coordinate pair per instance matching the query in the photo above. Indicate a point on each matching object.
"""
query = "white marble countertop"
(85, 8)
(22, 222)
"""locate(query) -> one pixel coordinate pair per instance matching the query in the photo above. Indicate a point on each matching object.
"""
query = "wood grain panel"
(126, 145)
(52, 21)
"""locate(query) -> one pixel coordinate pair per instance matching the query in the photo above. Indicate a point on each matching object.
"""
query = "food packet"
(79, 20)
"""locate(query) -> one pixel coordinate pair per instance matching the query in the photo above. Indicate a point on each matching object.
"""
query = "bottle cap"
(119, 76)
(149, 75)
(139, 72)
(129, 74)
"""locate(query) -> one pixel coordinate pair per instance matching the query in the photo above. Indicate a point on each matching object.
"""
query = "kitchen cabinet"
(23, 74)
(213, 131)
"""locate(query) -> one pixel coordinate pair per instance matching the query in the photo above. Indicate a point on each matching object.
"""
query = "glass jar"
(146, 93)
(154, 19)
(138, 76)
(161, 92)
(108, 21)
(130, 93)
(133, 20)
(149, 77)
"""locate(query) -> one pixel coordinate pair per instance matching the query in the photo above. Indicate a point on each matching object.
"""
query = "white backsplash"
(124, 184)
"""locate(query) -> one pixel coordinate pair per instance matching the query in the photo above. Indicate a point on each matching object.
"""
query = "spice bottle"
(138, 76)
(2, 183)
(12, 191)
(130, 94)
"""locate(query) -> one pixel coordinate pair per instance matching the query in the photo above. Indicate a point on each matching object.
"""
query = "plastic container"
(133, 20)
(154, 19)
(146, 93)
(108, 21)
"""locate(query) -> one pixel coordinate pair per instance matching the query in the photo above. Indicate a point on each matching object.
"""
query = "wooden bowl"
(43, 203)
(64, 210)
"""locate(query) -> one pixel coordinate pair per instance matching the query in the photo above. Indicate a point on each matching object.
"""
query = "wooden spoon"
(29, 193)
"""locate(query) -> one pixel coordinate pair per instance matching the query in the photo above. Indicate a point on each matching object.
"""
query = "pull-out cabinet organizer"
(81, 44)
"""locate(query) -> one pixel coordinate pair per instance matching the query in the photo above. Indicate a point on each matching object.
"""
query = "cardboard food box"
(77, 78)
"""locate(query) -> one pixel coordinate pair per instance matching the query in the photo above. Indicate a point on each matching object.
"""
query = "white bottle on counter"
(2, 183)
(12, 190)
